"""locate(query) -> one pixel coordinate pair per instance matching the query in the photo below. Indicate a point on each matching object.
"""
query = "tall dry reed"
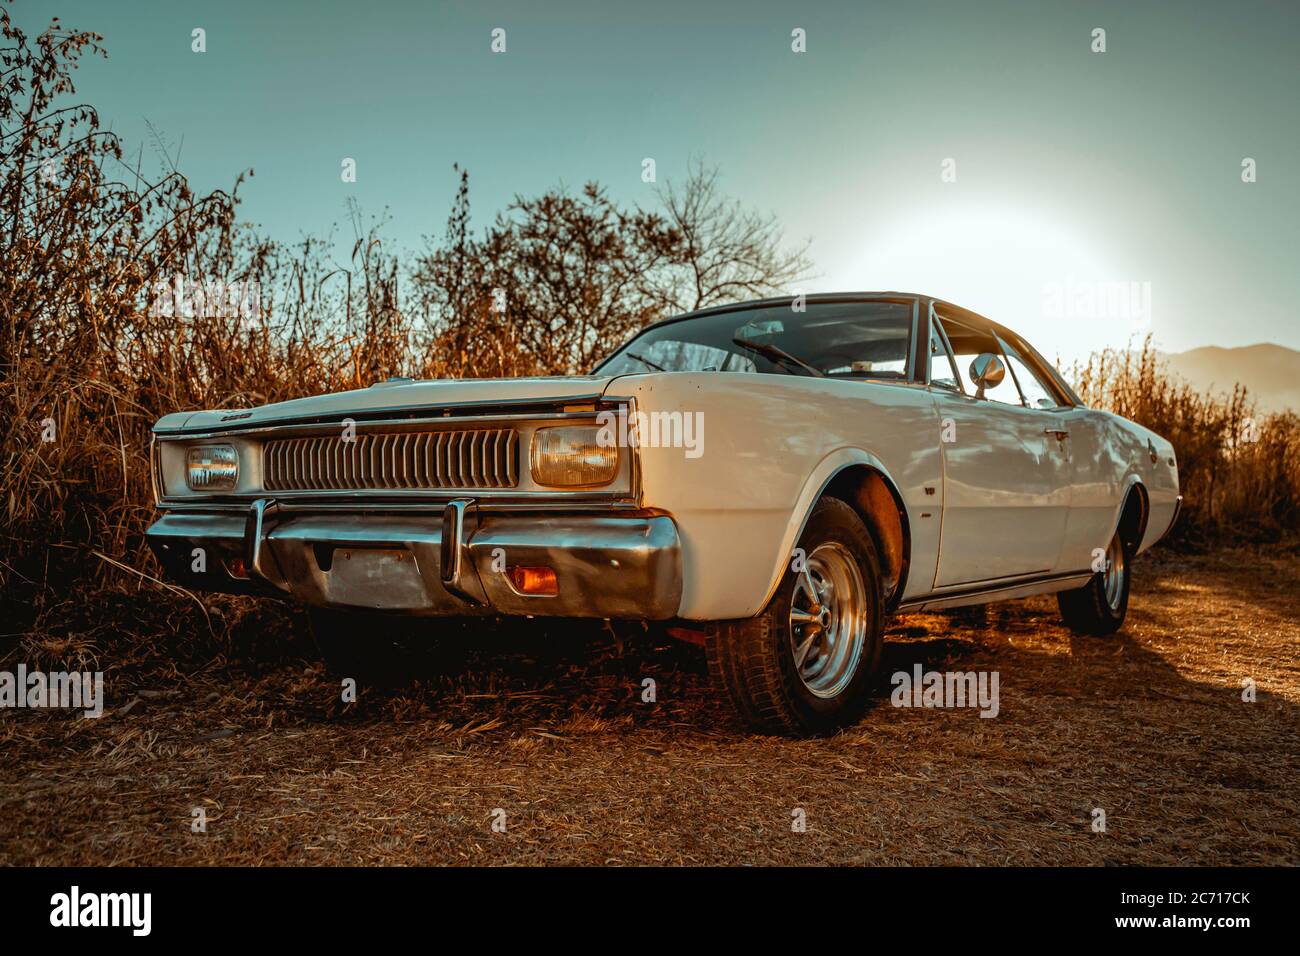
(1240, 471)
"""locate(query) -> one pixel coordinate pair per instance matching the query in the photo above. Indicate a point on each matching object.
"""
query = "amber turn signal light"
(537, 581)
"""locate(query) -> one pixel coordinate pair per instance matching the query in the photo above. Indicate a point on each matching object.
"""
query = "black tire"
(1089, 609)
(753, 661)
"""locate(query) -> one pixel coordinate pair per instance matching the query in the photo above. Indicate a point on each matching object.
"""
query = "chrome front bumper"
(453, 563)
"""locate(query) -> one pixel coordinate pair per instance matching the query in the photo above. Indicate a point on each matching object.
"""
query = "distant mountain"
(1271, 373)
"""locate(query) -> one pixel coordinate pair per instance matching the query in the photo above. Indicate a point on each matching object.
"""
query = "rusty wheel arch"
(878, 504)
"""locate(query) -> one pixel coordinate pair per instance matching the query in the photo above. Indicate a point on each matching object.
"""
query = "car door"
(1082, 436)
(1098, 488)
(1007, 476)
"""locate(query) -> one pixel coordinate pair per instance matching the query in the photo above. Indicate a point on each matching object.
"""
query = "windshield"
(839, 339)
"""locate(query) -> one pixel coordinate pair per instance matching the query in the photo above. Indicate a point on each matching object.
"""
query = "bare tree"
(723, 252)
(566, 278)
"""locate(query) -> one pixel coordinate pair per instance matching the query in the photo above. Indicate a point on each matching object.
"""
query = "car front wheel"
(804, 664)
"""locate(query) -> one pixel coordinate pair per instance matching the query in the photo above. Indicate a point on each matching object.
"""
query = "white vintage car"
(777, 475)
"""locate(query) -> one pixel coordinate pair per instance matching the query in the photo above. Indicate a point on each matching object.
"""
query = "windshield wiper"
(645, 361)
(778, 354)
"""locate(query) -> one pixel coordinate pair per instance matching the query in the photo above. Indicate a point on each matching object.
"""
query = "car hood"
(396, 396)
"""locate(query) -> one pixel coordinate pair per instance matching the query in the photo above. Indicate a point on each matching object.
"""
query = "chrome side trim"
(1048, 584)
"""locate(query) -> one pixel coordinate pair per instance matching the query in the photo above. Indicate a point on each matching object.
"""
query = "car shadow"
(523, 673)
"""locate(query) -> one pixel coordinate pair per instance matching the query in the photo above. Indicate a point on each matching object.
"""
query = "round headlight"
(569, 456)
(212, 468)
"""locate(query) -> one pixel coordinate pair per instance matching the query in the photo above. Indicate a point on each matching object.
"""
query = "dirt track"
(1149, 726)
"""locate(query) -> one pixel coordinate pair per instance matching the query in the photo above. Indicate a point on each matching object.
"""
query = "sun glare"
(1024, 268)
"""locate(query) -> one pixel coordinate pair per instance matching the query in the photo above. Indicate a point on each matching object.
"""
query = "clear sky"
(1077, 174)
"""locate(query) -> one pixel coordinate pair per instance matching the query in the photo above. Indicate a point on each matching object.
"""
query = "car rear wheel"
(1099, 607)
(804, 664)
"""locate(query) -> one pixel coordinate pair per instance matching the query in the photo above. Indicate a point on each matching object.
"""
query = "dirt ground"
(1149, 726)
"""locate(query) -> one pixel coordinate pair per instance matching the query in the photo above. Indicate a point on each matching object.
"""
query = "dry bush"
(95, 347)
(1240, 473)
(81, 244)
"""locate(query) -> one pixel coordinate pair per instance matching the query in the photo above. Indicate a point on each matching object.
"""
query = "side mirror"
(986, 371)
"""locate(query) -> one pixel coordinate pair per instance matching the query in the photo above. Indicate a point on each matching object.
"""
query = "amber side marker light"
(537, 581)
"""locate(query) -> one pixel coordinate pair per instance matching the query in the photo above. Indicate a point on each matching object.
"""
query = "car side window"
(968, 344)
(943, 372)
(1037, 394)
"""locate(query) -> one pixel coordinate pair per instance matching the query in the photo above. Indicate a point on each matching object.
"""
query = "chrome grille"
(483, 458)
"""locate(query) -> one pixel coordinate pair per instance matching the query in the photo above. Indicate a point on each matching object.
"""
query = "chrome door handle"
(1060, 433)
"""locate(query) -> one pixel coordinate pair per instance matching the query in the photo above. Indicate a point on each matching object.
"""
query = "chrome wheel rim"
(1114, 580)
(828, 620)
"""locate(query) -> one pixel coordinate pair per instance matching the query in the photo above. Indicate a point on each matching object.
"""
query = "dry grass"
(1149, 726)
(1239, 471)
